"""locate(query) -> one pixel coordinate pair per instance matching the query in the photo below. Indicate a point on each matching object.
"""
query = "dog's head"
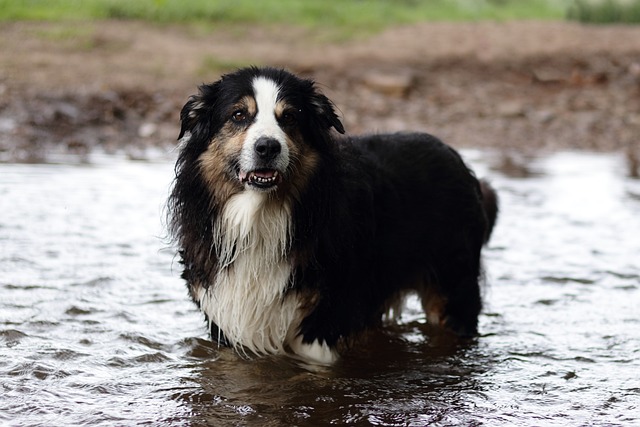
(256, 129)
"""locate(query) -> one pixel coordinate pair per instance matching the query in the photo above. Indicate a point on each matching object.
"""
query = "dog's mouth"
(263, 179)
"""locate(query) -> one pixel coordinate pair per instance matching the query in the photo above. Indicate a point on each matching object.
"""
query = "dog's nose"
(267, 148)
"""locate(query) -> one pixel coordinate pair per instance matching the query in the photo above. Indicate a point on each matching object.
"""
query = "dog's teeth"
(263, 180)
(257, 178)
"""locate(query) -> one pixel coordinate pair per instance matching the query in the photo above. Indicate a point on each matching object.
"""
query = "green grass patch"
(343, 17)
(79, 36)
(355, 15)
(64, 33)
(212, 65)
(605, 11)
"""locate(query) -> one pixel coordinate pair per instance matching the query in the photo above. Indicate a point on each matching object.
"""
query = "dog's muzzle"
(267, 165)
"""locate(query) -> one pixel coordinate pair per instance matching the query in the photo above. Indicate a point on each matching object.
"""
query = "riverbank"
(517, 86)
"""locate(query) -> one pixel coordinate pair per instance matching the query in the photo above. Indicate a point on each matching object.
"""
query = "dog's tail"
(490, 205)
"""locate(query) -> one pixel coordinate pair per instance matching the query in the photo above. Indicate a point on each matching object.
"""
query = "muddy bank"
(520, 87)
(35, 127)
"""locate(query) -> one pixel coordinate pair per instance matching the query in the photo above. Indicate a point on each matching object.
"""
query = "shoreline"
(518, 87)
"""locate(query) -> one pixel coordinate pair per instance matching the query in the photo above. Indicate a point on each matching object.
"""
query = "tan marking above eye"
(243, 110)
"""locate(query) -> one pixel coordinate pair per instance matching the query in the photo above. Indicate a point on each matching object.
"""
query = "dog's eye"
(239, 116)
(288, 118)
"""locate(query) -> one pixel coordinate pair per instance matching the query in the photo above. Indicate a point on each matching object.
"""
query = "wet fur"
(355, 223)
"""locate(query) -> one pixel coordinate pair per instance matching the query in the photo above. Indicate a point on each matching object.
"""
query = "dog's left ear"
(326, 111)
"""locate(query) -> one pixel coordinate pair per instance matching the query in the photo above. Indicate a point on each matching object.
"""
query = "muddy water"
(96, 327)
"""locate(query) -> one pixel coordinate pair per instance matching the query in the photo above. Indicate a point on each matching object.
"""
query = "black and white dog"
(294, 239)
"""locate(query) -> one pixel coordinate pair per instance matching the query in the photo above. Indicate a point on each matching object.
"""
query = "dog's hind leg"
(463, 307)
(452, 297)
(457, 311)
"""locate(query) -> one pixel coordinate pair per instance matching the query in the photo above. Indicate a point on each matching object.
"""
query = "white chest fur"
(246, 300)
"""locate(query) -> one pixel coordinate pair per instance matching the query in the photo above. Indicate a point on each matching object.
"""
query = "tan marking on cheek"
(304, 161)
(217, 163)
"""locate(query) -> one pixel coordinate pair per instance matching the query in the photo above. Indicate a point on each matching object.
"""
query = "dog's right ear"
(191, 115)
(196, 115)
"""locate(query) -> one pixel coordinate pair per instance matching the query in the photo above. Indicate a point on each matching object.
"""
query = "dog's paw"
(314, 352)
(463, 329)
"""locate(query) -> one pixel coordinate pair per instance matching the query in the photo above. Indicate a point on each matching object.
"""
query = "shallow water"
(96, 327)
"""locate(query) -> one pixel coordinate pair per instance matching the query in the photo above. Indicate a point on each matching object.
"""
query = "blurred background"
(509, 74)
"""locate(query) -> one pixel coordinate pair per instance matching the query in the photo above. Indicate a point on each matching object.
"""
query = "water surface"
(96, 327)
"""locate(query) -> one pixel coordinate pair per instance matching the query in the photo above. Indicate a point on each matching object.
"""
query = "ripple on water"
(95, 282)
(12, 337)
(197, 348)
(37, 370)
(143, 341)
(77, 311)
(563, 280)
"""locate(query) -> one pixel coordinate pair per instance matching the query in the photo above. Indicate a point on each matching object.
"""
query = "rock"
(544, 116)
(548, 76)
(7, 124)
(510, 109)
(395, 85)
(147, 130)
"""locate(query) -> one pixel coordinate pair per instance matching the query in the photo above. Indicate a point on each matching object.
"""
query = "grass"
(346, 16)
(605, 11)
(210, 65)
(73, 37)
(367, 15)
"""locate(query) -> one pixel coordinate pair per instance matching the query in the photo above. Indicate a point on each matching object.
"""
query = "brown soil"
(518, 87)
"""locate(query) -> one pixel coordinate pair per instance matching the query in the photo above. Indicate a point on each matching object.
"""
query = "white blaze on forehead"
(266, 95)
(265, 124)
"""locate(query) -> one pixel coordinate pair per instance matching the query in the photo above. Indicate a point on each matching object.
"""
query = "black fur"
(380, 215)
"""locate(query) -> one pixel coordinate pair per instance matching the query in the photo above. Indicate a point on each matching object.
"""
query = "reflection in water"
(404, 374)
(96, 327)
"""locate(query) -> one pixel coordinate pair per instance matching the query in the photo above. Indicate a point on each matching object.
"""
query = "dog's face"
(258, 129)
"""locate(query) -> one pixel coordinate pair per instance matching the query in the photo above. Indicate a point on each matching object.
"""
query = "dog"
(295, 238)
